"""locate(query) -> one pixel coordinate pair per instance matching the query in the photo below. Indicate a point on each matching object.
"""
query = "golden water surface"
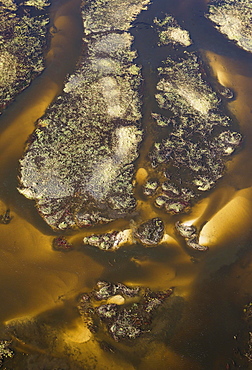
(39, 283)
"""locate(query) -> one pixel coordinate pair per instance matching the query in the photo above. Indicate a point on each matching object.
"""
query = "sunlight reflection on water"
(36, 280)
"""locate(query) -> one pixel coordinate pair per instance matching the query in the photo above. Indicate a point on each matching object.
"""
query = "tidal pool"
(125, 195)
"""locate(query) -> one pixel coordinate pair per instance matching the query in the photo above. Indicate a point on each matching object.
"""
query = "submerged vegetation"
(120, 159)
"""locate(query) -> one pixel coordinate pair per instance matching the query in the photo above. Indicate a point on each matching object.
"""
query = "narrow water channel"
(202, 326)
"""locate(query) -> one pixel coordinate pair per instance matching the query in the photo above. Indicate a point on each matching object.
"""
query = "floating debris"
(5, 351)
(170, 189)
(150, 232)
(61, 244)
(163, 121)
(171, 33)
(226, 92)
(150, 187)
(233, 19)
(22, 43)
(79, 164)
(186, 231)
(193, 242)
(248, 318)
(6, 217)
(191, 236)
(248, 311)
(121, 321)
(173, 198)
(108, 241)
(107, 290)
(248, 354)
(175, 206)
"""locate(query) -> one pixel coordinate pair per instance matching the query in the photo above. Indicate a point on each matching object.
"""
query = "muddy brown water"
(38, 282)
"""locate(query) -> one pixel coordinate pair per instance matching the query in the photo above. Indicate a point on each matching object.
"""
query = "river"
(39, 286)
